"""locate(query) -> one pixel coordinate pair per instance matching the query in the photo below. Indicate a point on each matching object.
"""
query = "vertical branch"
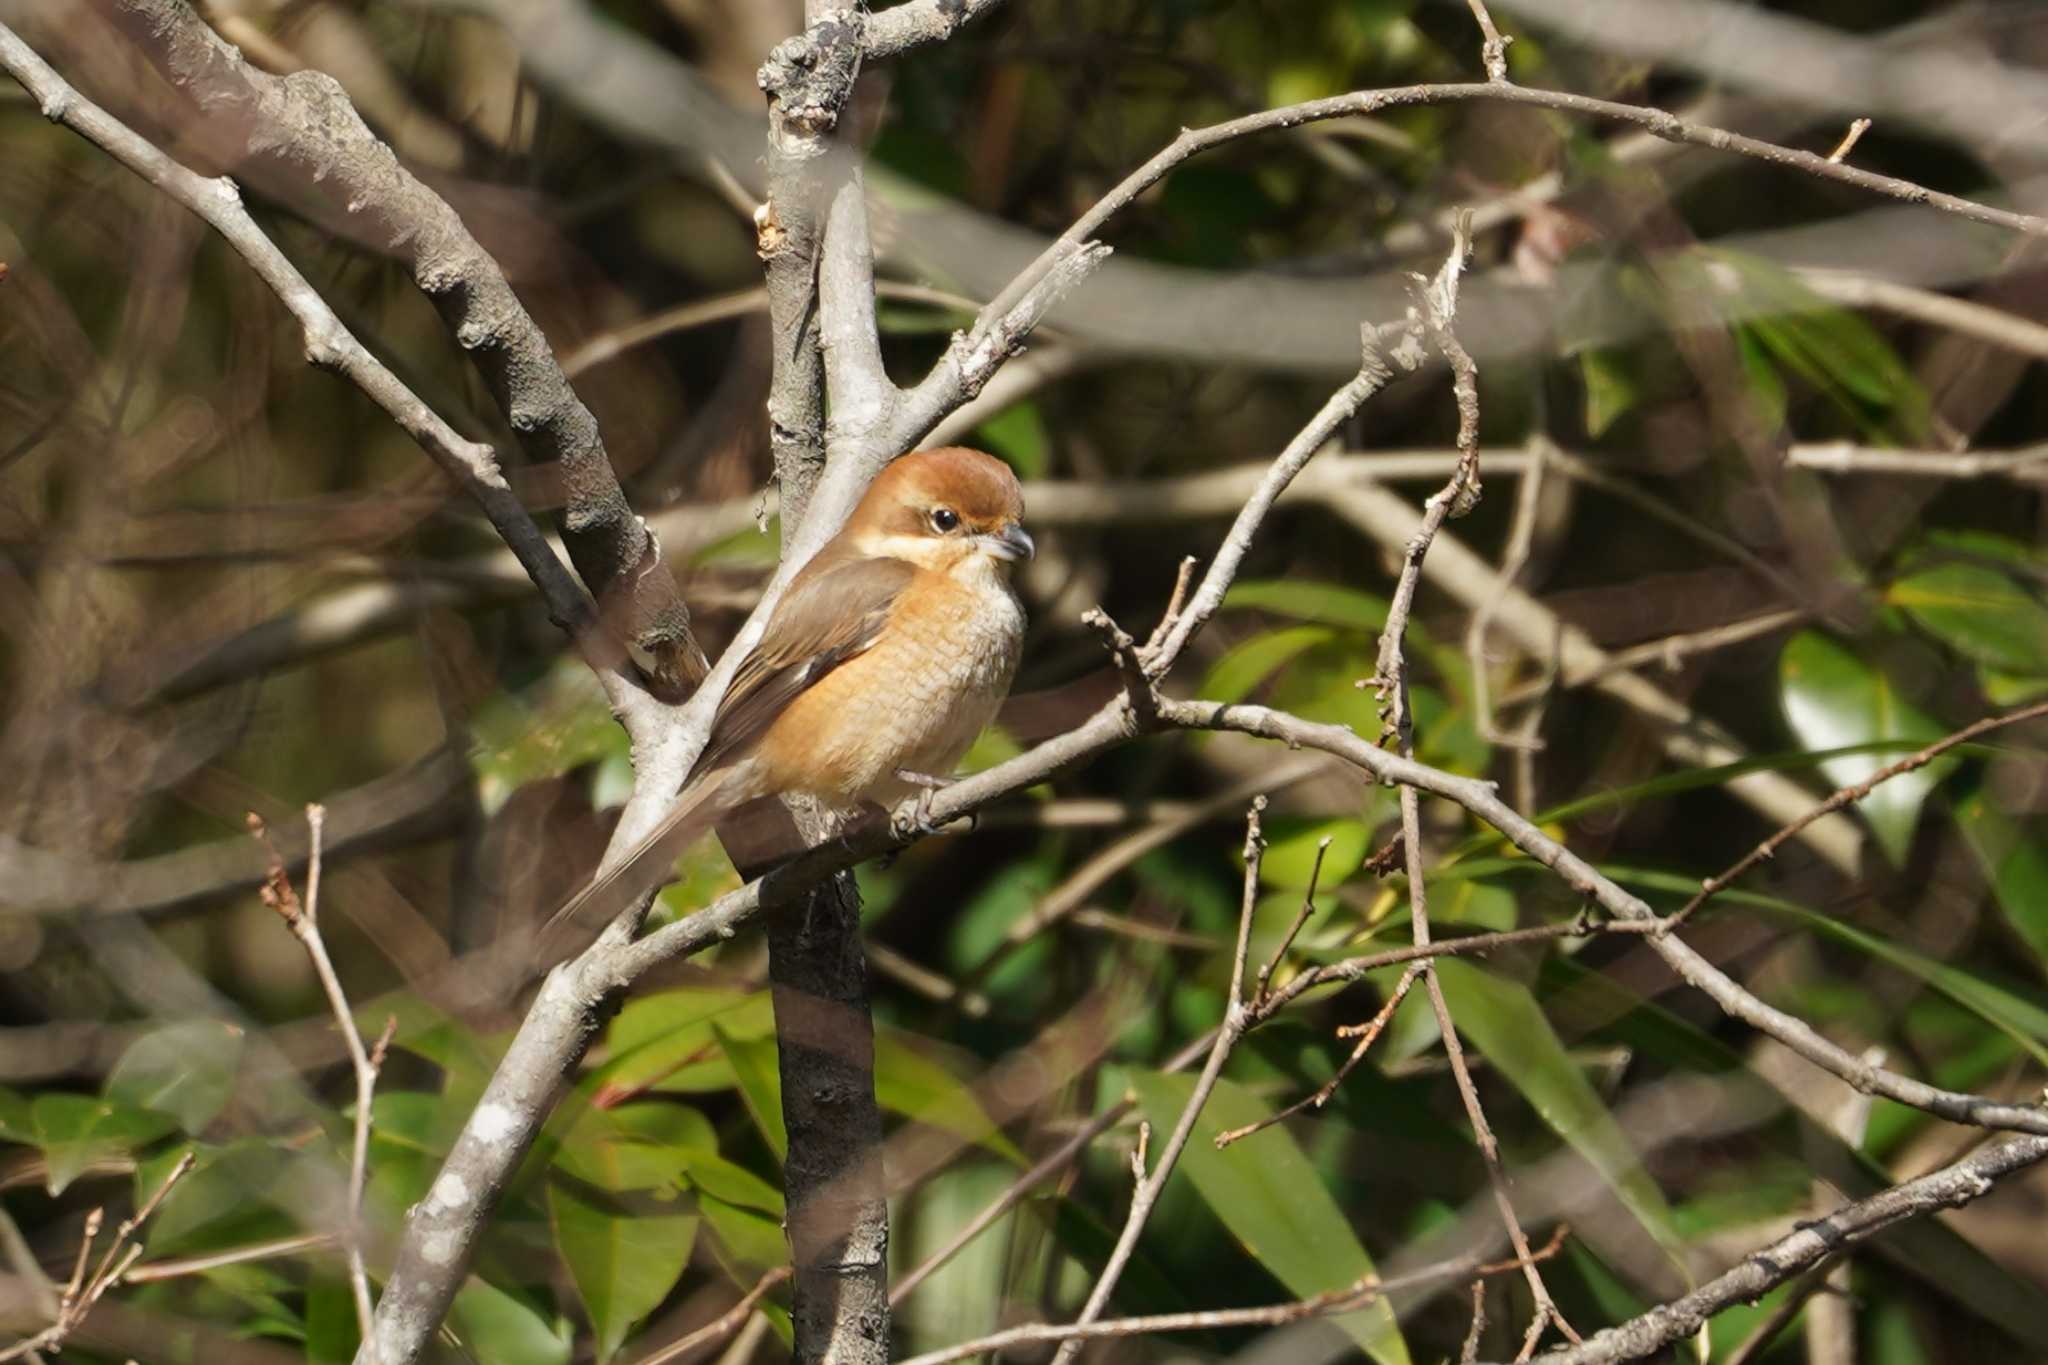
(838, 1211)
(1235, 1021)
(820, 277)
(1437, 305)
(303, 919)
(807, 80)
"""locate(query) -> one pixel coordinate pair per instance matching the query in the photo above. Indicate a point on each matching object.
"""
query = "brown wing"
(833, 611)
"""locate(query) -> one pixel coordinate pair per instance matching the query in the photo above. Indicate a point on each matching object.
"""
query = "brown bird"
(889, 653)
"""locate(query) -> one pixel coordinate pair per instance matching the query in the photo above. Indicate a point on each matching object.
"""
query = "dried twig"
(1807, 1246)
(1849, 139)
(1493, 51)
(1308, 907)
(721, 1327)
(1366, 1033)
(1235, 1021)
(82, 1291)
(303, 918)
(1348, 1299)
(1438, 305)
(1847, 796)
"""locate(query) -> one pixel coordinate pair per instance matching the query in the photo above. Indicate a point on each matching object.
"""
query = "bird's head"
(954, 511)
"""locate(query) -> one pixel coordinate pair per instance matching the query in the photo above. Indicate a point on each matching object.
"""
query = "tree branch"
(473, 466)
(303, 130)
(1952, 1187)
(898, 29)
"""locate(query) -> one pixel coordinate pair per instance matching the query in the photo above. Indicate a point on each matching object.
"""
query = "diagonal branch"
(330, 345)
(914, 23)
(1807, 1246)
(302, 135)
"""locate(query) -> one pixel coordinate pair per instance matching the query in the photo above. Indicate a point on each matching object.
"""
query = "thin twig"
(1847, 796)
(721, 1327)
(1437, 306)
(1493, 52)
(1366, 1034)
(304, 921)
(2028, 466)
(1667, 653)
(1308, 907)
(153, 1271)
(1130, 663)
(1348, 1299)
(1469, 1352)
(1234, 1022)
(82, 1291)
(1849, 140)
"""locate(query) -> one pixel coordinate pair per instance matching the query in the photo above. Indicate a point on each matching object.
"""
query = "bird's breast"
(913, 702)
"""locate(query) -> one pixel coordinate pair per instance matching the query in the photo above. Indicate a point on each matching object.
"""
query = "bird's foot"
(919, 822)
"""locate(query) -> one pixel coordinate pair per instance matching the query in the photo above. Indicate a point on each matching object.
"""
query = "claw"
(919, 821)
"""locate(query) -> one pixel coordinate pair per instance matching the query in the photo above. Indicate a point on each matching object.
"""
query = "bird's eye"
(944, 519)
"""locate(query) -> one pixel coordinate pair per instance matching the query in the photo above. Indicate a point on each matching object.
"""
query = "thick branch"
(328, 344)
(303, 130)
(914, 23)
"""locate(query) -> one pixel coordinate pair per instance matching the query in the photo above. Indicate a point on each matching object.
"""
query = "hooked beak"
(1013, 543)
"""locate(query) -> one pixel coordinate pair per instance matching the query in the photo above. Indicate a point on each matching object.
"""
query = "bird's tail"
(636, 873)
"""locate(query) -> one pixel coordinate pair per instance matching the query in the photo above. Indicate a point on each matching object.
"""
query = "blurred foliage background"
(229, 584)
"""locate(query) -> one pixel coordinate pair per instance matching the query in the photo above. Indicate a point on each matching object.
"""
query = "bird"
(889, 653)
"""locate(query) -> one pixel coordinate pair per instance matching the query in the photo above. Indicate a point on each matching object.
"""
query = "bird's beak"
(1012, 543)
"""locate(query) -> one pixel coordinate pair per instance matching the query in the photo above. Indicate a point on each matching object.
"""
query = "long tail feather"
(645, 866)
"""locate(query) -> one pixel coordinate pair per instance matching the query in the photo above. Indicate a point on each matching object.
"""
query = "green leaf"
(498, 1328)
(731, 1182)
(664, 1042)
(75, 1131)
(910, 1083)
(186, 1070)
(760, 1077)
(229, 1196)
(624, 1260)
(603, 1150)
(1980, 613)
(1290, 857)
(1831, 347)
(2017, 867)
(1611, 389)
(1267, 1193)
(1018, 434)
(2024, 1020)
(1323, 603)
(1893, 1337)
(1832, 699)
(1467, 900)
(1503, 1020)
(15, 1123)
(415, 1121)
(748, 1238)
(1248, 663)
(561, 722)
(332, 1334)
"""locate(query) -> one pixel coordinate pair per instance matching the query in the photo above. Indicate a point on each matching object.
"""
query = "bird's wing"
(832, 612)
